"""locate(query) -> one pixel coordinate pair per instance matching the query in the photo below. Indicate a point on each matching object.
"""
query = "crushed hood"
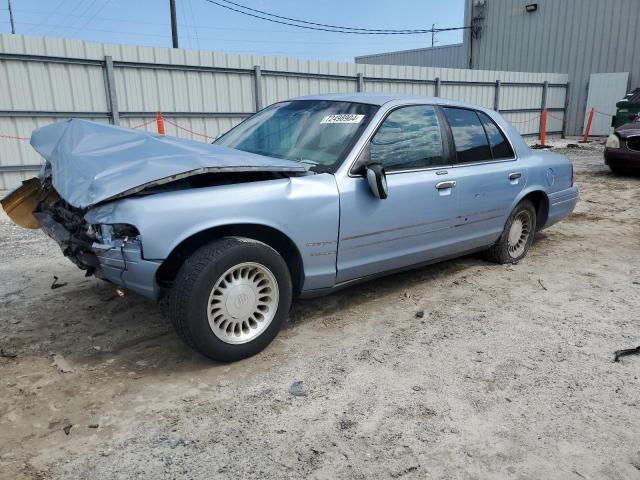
(92, 162)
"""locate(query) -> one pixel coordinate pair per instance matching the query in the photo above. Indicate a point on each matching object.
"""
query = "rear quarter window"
(500, 147)
(469, 136)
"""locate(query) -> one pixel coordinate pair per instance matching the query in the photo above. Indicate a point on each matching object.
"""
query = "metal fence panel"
(203, 94)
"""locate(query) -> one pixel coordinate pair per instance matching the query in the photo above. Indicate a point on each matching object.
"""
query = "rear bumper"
(561, 204)
(621, 157)
(123, 265)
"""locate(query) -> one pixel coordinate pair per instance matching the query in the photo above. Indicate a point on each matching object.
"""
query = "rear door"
(489, 175)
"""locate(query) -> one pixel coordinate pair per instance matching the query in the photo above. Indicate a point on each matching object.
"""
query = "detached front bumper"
(122, 264)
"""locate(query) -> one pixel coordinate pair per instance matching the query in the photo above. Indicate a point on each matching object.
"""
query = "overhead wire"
(74, 9)
(325, 24)
(97, 12)
(216, 39)
(193, 19)
(73, 23)
(46, 16)
(184, 23)
(334, 29)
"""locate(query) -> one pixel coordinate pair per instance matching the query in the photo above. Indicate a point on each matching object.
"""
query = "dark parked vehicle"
(622, 150)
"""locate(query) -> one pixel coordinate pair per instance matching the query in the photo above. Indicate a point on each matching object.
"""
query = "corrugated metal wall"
(579, 37)
(448, 56)
(208, 92)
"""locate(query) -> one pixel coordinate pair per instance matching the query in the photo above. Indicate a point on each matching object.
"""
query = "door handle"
(445, 185)
(514, 176)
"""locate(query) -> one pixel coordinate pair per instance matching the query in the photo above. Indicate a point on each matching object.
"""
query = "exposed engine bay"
(36, 204)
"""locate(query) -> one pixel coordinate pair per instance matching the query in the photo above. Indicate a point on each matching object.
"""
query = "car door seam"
(388, 230)
(414, 235)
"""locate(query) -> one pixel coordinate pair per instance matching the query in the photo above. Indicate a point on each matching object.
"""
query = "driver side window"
(409, 138)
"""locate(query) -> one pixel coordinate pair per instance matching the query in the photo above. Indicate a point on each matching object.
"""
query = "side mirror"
(377, 180)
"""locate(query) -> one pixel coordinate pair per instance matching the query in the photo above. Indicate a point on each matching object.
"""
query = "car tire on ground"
(230, 298)
(617, 170)
(517, 235)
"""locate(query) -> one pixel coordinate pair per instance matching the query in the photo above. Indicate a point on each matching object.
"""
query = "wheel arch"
(271, 236)
(540, 201)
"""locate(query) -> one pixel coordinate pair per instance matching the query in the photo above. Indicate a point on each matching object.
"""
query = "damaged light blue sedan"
(302, 198)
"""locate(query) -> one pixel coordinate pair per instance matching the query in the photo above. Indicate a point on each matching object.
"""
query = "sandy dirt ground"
(508, 374)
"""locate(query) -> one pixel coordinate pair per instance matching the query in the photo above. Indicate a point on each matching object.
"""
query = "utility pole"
(13, 26)
(433, 35)
(174, 23)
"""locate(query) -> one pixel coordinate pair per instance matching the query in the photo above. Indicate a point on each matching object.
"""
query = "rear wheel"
(517, 235)
(230, 298)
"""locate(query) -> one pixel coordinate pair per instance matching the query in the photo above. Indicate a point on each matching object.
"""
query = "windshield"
(316, 132)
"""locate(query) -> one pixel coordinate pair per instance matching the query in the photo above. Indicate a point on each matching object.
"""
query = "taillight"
(572, 174)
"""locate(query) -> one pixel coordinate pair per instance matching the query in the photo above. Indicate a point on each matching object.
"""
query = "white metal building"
(578, 37)
(447, 56)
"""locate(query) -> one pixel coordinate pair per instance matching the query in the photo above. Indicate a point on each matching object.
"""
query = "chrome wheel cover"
(242, 303)
(519, 234)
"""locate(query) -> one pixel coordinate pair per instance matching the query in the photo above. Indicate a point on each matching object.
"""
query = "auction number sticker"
(343, 118)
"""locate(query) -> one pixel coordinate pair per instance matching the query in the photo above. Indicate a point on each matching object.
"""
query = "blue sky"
(206, 26)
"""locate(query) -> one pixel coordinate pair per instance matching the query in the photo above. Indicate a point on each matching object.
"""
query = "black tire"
(499, 252)
(617, 170)
(188, 300)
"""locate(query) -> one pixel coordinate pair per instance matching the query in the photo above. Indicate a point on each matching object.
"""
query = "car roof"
(383, 98)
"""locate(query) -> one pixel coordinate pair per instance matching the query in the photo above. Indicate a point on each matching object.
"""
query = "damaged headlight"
(109, 233)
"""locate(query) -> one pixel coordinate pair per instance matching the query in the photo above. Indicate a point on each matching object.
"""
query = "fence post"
(257, 85)
(543, 127)
(543, 104)
(586, 132)
(360, 80)
(437, 87)
(110, 86)
(566, 111)
(496, 97)
(160, 122)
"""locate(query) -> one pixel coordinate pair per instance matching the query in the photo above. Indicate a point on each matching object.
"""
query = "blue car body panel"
(305, 209)
(342, 232)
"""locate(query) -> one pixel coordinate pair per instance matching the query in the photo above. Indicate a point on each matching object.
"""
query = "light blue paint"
(343, 232)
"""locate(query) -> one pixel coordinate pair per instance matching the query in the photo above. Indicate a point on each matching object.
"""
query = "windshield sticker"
(343, 118)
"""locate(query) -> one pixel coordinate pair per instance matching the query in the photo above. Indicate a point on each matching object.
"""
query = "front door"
(413, 223)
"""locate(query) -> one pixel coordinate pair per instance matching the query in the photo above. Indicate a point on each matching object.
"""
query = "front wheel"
(517, 235)
(230, 298)
(617, 170)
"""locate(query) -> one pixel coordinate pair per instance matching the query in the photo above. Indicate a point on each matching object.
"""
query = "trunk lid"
(92, 162)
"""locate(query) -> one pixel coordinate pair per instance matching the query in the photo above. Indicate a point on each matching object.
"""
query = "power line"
(324, 24)
(74, 9)
(146, 22)
(46, 16)
(335, 29)
(78, 30)
(216, 39)
(193, 19)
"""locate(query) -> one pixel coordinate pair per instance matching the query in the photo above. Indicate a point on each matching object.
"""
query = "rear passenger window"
(500, 147)
(409, 138)
(468, 135)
